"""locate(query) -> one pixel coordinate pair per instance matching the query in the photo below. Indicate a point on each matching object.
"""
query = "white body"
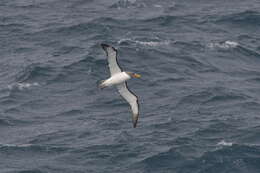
(116, 79)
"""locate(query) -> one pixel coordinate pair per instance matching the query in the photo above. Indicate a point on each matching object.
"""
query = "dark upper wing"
(131, 99)
(111, 53)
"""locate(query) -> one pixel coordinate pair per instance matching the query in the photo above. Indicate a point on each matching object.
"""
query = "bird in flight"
(119, 78)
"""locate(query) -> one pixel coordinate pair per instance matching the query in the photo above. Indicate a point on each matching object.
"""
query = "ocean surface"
(199, 93)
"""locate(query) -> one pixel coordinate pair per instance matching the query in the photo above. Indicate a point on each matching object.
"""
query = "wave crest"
(151, 43)
(223, 45)
(23, 86)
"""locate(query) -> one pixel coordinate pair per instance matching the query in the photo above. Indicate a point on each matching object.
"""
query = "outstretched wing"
(131, 99)
(111, 53)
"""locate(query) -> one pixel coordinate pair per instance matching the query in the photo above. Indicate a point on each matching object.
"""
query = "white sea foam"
(153, 43)
(123, 40)
(22, 86)
(224, 45)
(224, 143)
(129, 4)
(157, 6)
(15, 145)
(231, 44)
(146, 43)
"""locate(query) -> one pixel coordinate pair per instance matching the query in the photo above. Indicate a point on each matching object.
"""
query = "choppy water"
(199, 95)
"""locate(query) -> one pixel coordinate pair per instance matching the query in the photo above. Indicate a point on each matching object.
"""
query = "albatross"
(119, 78)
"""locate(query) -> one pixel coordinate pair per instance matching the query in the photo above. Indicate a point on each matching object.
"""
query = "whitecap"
(224, 45)
(22, 86)
(224, 143)
(145, 43)
(231, 44)
(128, 4)
(15, 145)
(123, 40)
(153, 43)
(157, 6)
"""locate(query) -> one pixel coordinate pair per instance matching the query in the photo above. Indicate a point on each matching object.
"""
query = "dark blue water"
(199, 92)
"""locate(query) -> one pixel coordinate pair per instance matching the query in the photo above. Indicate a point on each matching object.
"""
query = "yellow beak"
(137, 75)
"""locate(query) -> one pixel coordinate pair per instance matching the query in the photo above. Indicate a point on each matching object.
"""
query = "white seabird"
(119, 78)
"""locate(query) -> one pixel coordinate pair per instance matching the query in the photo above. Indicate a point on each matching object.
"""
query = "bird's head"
(134, 75)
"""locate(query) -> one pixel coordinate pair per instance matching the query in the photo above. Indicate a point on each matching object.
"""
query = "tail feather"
(101, 84)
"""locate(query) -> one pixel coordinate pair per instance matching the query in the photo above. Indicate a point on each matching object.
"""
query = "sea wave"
(244, 19)
(7, 120)
(31, 148)
(223, 45)
(23, 86)
(224, 143)
(36, 72)
(128, 4)
(238, 157)
(145, 43)
(198, 95)
(143, 4)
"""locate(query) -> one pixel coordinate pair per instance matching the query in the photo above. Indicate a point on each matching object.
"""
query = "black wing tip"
(105, 46)
(135, 120)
